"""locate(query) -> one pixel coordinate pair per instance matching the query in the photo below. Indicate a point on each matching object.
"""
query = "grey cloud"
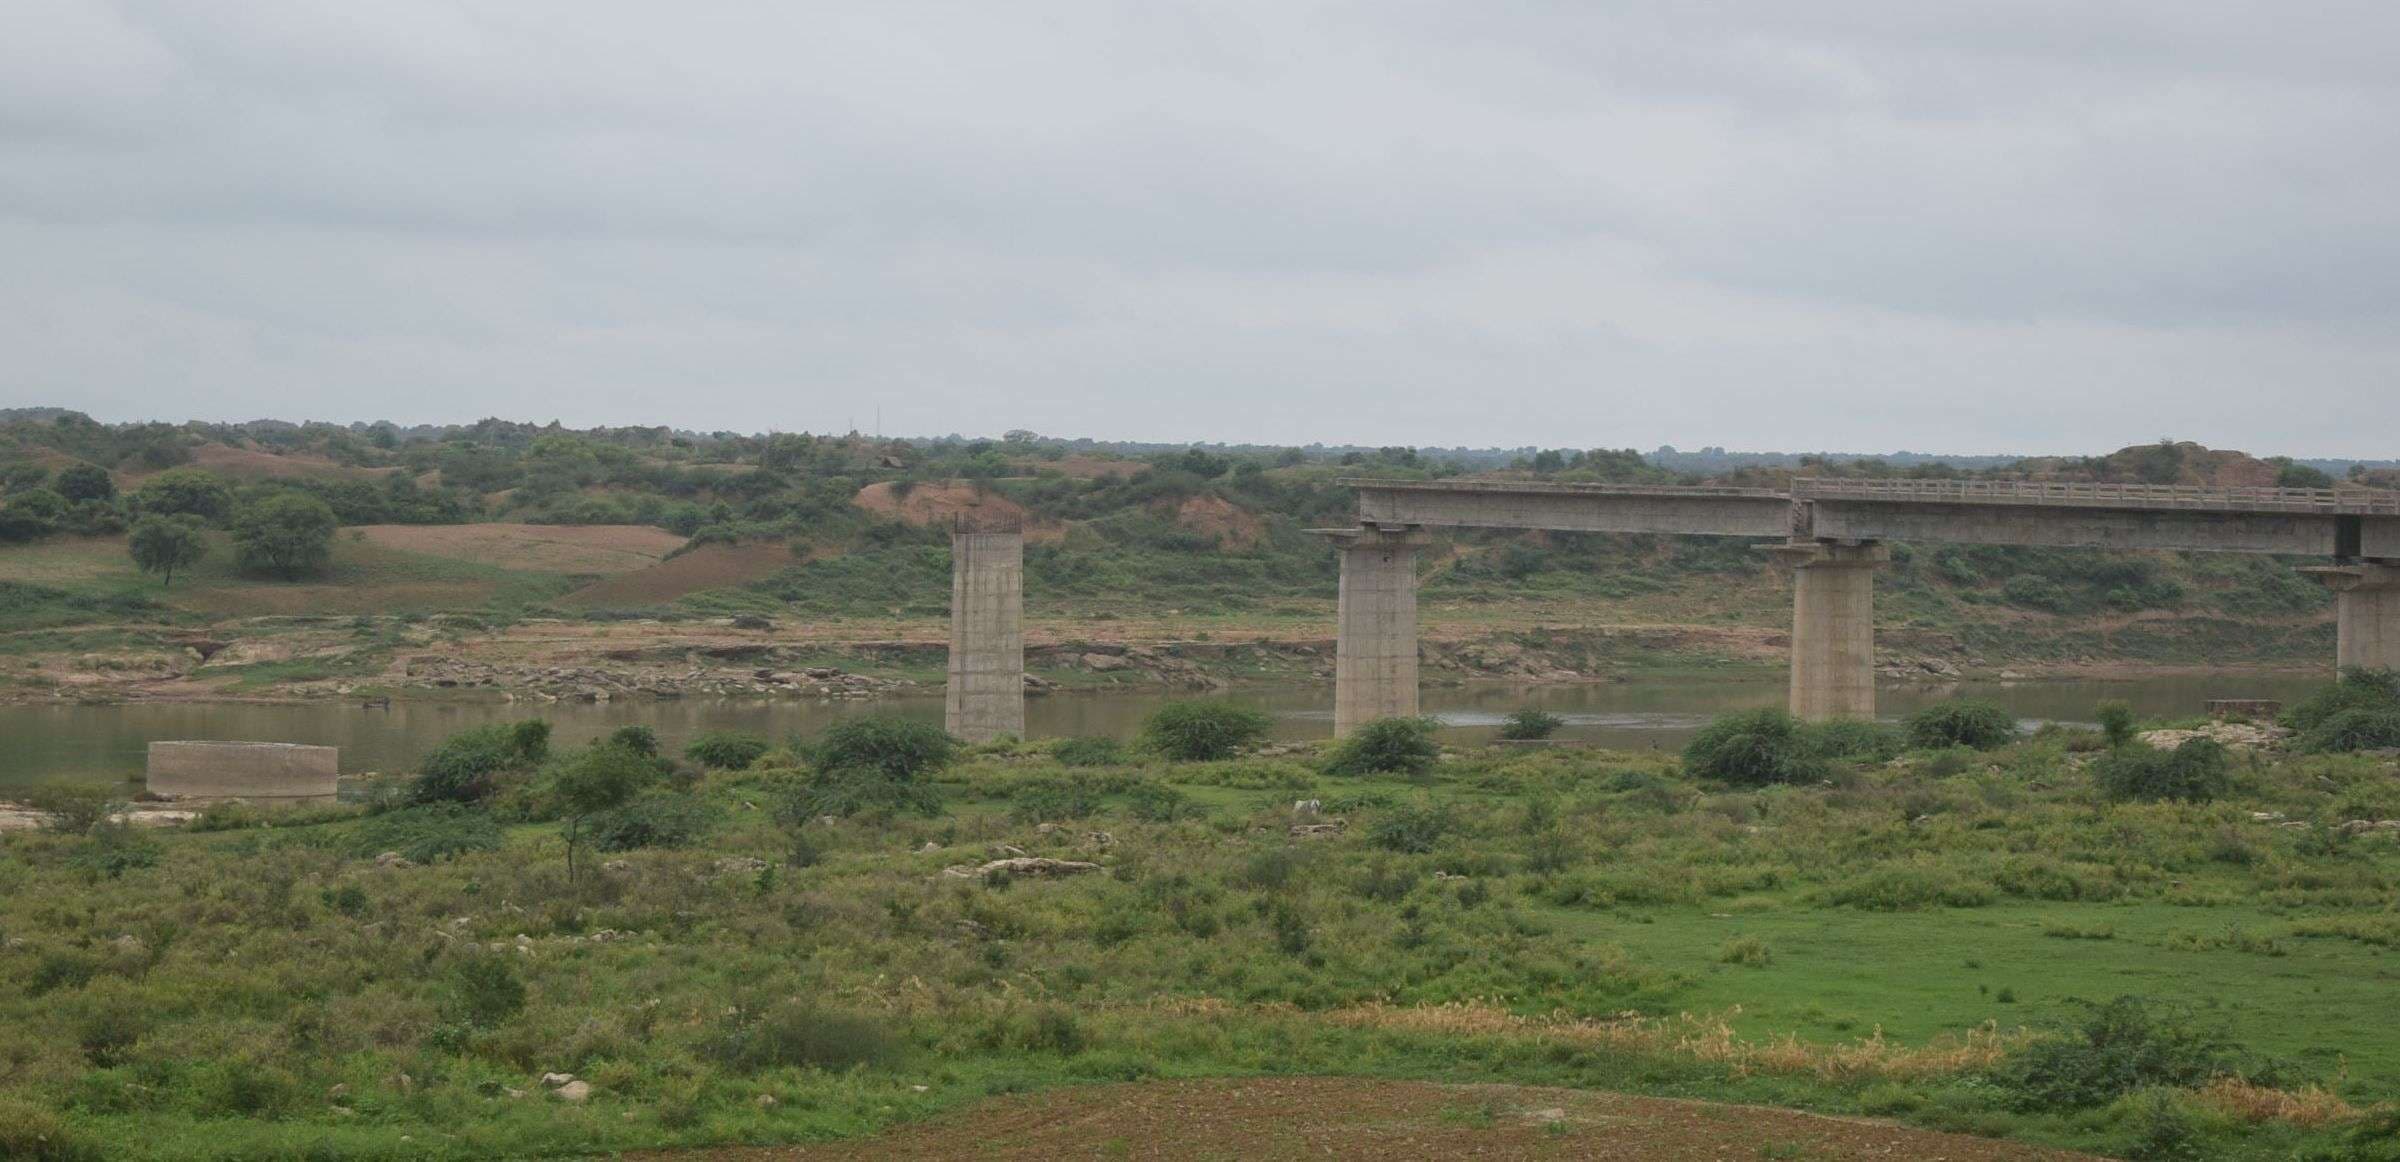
(2040, 225)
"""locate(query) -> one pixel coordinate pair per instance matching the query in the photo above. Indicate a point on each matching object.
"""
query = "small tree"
(288, 534)
(81, 482)
(1202, 731)
(163, 544)
(184, 492)
(2116, 723)
(595, 781)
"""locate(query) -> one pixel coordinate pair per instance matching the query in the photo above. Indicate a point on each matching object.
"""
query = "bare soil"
(1229, 524)
(534, 548)
(707, 567)
(1325, 1117)
(940, 504)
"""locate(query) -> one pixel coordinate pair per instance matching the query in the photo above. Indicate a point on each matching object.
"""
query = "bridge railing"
(2093, 495)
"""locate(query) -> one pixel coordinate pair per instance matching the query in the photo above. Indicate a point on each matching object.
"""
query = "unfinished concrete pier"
(986, 696)
(2366, 611)
(1375, 656)
(1833, 628)
(268, 773)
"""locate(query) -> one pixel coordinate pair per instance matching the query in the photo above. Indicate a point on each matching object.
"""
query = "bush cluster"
(2195, 772)
(1203, 731)
(1386, 746)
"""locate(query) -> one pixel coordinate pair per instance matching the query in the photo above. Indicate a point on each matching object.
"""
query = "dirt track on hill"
(1327, 1117)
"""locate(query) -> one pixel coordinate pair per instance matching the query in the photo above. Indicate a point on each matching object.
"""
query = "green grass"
(267, 966)
(1841, 974)
(361, 577)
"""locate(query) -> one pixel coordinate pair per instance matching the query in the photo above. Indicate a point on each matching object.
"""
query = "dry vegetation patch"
(533, 548)
(704, 568)
(1328, 1117)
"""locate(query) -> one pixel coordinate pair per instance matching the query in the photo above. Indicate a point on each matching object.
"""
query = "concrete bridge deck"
(1831, 532)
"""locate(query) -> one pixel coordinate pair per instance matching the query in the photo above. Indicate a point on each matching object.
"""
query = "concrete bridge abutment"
(1375, 653)
(986, 696)
(2366, 605)
(1833, 627)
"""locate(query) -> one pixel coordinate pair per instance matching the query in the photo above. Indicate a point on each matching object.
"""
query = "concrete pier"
(1833, 628)
(264, 773)
(987, 635)
(2366, 605)
(1375, 656)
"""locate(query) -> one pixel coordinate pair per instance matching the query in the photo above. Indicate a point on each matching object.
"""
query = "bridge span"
(1832, 534)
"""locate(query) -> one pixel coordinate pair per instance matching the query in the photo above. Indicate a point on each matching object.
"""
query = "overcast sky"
(2027, 226)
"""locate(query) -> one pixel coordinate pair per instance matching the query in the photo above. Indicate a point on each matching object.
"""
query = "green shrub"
(112, 850)
(31, 1133)
(897, 748)
(1529, 724)
(1754, 748)
(1856, 740)
(635, 737)
(2359, 688)
(1910, 888)
(485, 989)
(1961, 722)
(847, 791)
(2116, 723)
(2195, 772)
(726, 750)
(74, 808)
(1203, 731)
(1159, 803)
(2036, 592)
(1413, 830)
(464, 767)
(798, 1034)
(1747, 951)
(425, 834)
(2115, 1049)
(1386, 746)
(658, 819)
(2355, 729)
(1053, 800)
(1091, 750)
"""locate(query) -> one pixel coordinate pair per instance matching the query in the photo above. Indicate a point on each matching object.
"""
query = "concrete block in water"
(259, 772)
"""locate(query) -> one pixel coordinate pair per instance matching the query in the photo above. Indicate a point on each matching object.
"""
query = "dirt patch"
(950, 501)
(1230, 525)
(1315, 1117)
(534, 548)
(707, 567)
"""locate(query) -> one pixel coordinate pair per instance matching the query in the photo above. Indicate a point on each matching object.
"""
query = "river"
(106, 743)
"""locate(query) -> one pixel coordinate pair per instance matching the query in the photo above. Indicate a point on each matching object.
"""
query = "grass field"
(383, 569)
(1899, 941)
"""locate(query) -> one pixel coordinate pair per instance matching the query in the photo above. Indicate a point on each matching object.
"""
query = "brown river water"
(106, 743)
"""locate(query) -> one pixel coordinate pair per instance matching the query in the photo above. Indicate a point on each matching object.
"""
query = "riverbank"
(284, 659)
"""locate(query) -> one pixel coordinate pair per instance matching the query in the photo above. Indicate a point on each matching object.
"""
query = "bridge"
(1832, 534)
